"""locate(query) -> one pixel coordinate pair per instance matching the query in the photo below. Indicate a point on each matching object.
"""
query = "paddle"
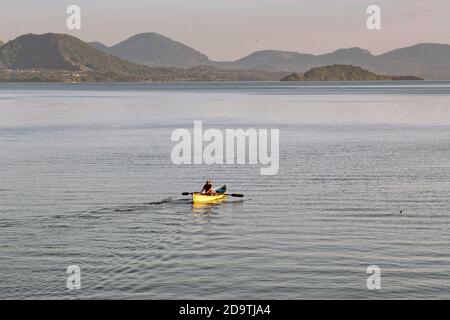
(225, 194)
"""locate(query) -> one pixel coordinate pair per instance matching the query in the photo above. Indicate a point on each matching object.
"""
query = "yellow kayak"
(198, 197)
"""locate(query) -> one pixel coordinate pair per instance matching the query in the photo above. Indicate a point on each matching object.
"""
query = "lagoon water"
(86, 179)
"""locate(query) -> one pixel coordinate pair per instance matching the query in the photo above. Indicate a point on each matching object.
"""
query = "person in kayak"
(208, 188)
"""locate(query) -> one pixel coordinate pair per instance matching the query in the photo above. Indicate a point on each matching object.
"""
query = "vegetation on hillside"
(338, 72)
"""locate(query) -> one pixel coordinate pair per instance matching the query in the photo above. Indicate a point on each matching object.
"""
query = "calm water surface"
(86, 179)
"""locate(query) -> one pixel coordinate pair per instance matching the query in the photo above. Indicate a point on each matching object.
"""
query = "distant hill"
(429, 61)
(352, 56)
(338, 72)
(153, 49)
(59, 52)
(300, 62)
(272, 60)
(100, 46)
(60, 57)
(1, 43)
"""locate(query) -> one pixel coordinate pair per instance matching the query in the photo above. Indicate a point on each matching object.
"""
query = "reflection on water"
(203, 208)
(213, 207)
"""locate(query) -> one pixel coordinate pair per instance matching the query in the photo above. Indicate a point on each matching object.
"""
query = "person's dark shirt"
(207, 187)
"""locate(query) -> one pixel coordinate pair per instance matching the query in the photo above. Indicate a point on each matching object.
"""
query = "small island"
(341, 72)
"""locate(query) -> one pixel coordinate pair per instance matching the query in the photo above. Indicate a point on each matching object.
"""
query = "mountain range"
(429, 61)
(426, 60)
(61, 57)
(152, 57)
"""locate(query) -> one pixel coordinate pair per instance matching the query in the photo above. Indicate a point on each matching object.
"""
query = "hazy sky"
(230, 29)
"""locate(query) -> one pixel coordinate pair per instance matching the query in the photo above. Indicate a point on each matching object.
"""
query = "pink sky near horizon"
(231, 29)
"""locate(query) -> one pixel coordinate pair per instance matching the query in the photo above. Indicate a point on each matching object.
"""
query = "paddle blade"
(185, 193)
(237, 195)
